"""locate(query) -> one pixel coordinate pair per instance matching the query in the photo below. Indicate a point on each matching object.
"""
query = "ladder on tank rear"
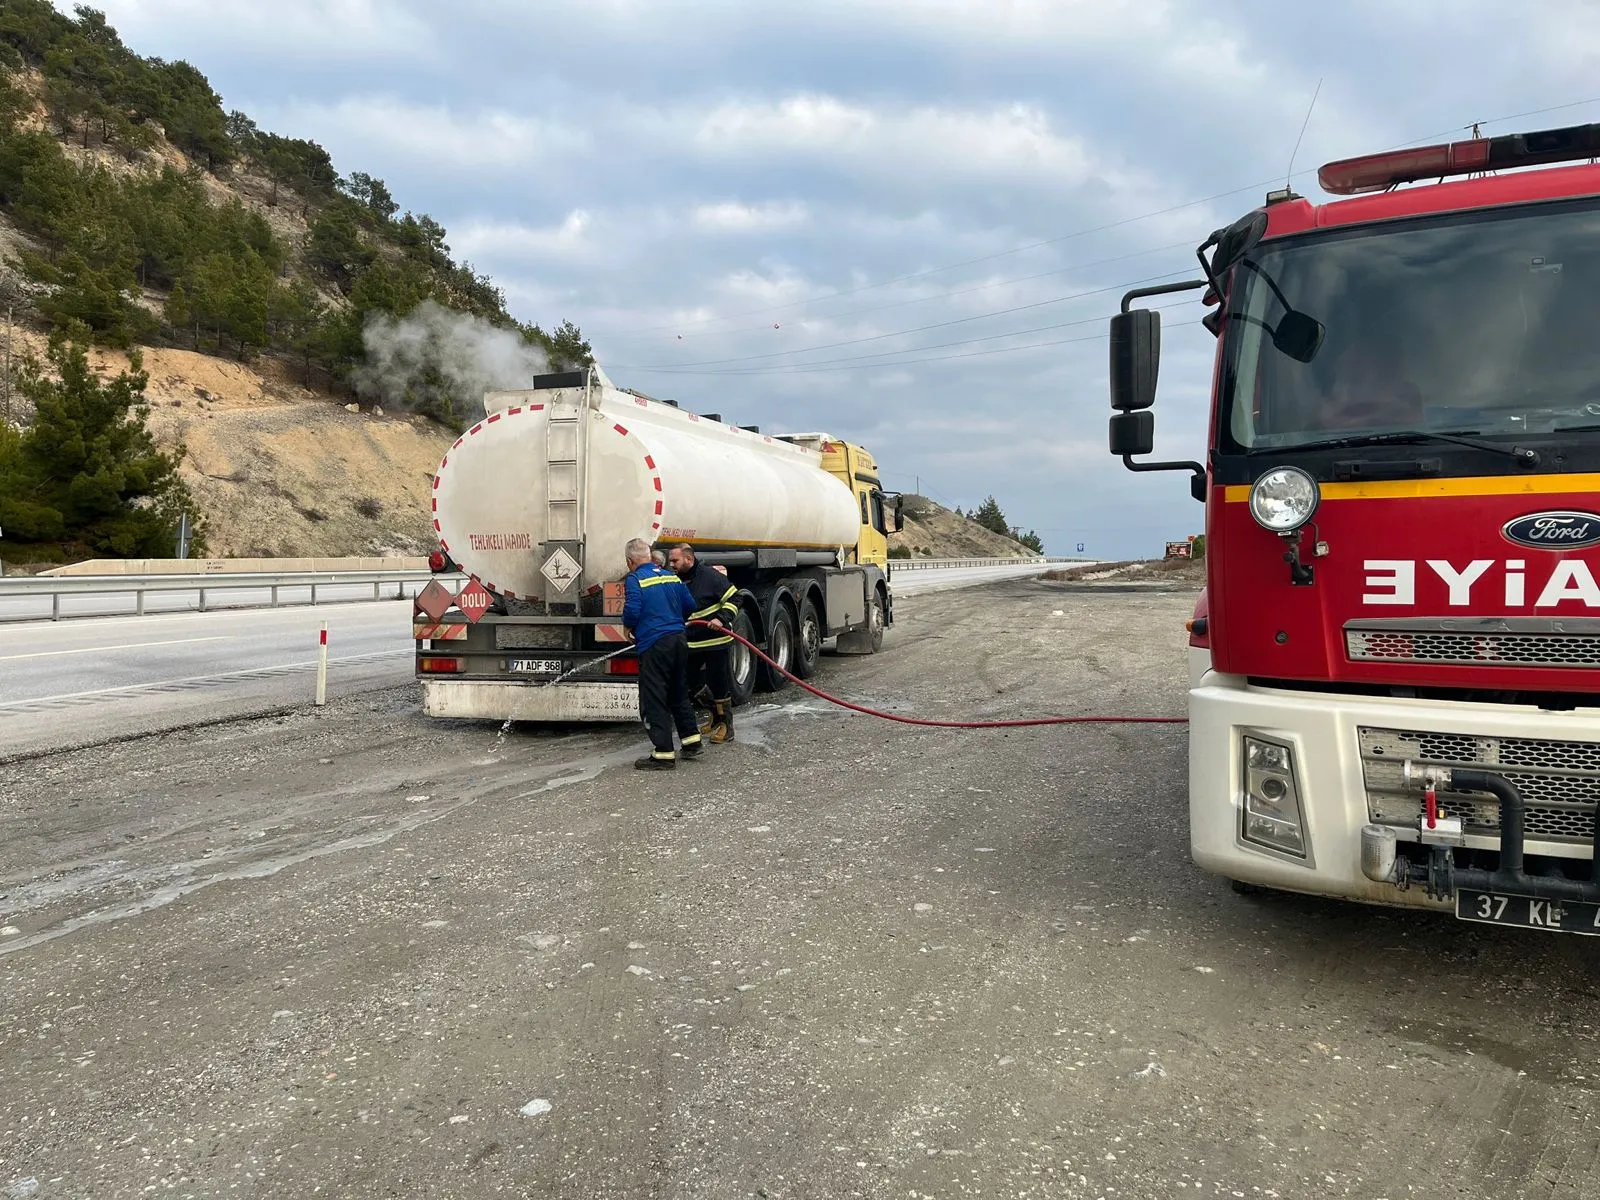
(564, 486)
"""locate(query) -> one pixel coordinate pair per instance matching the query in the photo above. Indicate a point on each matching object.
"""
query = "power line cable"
(947, 294)
(779, 368)
(807, 369)
(687, 368)
(681, 325)
(878, 337)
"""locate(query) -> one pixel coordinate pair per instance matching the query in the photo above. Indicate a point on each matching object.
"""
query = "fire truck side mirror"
(1133, 433)
(1299, 336)
(1135, 357)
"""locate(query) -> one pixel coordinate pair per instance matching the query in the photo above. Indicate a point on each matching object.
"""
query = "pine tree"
(991, 518)
(178, 310)
(86, 475)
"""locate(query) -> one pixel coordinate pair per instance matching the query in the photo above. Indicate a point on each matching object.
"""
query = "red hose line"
(1013, 723)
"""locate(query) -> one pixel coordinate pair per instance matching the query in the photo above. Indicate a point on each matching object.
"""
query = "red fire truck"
(1395, 663)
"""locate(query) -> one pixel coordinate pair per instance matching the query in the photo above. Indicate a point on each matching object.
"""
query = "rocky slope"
(933, 531)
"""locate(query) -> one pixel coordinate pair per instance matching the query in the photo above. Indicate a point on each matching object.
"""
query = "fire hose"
(1010, 723)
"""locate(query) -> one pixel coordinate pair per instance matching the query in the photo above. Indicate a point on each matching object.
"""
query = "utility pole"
(8, 365)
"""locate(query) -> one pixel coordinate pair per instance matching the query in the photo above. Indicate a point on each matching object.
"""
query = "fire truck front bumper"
(1486, 810)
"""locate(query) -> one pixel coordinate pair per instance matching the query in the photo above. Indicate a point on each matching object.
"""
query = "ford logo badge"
(1554, 530)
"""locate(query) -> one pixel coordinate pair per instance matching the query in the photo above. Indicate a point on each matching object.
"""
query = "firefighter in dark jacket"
(654, 611)
(709, 650)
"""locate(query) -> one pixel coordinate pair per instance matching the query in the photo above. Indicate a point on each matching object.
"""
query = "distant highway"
(76, 682)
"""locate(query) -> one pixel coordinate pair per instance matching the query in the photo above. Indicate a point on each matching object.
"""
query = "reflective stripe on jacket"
(713, 598)
(656, 604)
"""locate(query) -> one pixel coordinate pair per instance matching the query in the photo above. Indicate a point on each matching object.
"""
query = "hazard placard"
(561, 569)
(474, 600)
(435, 600)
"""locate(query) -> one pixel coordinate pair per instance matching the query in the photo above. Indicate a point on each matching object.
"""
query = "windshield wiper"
(1524, 456)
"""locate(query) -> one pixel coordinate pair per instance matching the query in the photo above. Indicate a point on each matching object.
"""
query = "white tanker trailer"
(536, 502)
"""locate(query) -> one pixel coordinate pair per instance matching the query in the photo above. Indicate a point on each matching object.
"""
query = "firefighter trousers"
(713, 668)
(664, 694)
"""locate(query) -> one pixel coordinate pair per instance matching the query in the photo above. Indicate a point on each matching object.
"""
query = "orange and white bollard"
(322, 667)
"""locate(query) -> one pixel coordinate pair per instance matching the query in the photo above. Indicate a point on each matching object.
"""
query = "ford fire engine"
(1395, 660)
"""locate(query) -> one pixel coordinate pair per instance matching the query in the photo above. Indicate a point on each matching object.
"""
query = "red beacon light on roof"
(1379, 172)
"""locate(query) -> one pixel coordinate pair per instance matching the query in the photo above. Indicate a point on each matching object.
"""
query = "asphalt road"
(351, 952)
(81, 681)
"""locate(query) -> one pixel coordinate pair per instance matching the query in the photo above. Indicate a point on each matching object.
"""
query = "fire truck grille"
(1473, 649)
(1560, 781)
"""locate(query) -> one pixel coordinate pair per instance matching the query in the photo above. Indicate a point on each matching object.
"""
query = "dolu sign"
(474, 601)
(1554, 530)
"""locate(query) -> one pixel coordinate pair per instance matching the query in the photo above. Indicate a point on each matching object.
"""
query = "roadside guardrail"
(35, 597)
(923, 564)
(270, 589)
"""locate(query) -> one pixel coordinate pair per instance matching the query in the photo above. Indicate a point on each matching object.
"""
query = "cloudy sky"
(901, 221)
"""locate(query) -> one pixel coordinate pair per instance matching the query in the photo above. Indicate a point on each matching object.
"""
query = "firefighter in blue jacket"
(655, 612)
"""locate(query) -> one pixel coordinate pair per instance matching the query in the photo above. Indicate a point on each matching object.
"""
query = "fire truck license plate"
(1563, 916)
(535, 666)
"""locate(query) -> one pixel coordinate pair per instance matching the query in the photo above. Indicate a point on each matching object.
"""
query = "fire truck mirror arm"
(1134, 366)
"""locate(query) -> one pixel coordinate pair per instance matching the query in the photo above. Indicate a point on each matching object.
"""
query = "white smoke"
(436, 353)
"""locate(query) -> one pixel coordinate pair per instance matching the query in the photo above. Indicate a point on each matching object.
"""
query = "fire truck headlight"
(1284, 499)
(1271, 810)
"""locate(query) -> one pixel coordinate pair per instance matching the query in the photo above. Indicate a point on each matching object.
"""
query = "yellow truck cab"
(859, 471)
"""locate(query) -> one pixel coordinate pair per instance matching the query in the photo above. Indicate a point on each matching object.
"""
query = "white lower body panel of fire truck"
(1397, 801)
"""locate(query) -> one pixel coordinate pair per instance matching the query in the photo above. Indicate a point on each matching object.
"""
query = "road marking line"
(140, 687)
(109, 649)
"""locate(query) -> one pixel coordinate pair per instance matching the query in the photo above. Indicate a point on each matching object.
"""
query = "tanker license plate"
(1525, 912)
(535, 666)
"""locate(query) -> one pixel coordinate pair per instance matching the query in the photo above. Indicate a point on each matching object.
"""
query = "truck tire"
(741, 663)
(868, 639)
(807, 640)
(780, 647)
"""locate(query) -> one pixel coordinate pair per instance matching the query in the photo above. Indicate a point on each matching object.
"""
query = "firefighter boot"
(722, 721)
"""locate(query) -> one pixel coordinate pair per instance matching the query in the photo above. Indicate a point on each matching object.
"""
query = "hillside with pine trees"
(143, 222)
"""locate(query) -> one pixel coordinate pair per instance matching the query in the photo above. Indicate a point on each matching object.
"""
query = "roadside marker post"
(322, 667)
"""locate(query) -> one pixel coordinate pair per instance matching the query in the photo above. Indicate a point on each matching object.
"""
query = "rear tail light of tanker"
(1270, 814)
(430, 664)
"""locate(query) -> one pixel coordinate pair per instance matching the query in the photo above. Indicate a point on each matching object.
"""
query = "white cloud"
(335, 30)
(376, 127)
(1009, 142)
(508, 241)
(730, 216)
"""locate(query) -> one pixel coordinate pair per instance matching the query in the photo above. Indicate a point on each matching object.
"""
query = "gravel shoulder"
(340, 952)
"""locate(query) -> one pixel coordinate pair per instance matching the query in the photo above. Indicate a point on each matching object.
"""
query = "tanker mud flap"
(1504, 895)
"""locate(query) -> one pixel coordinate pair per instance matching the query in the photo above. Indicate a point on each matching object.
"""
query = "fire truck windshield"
(1481, 323)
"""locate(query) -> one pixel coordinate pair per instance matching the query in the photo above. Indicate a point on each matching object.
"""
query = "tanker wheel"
(780, 648)
(741, 663)
(808, 640)
(874, 629)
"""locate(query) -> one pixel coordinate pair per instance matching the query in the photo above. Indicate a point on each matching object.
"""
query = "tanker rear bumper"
(517, 701)
(1321, 733)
